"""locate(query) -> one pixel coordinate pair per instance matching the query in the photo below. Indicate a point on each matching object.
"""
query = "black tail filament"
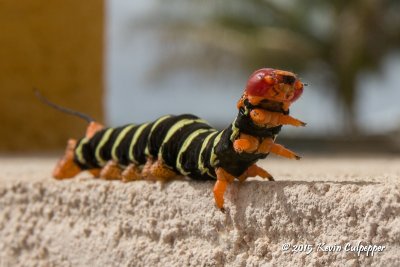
(65, 110)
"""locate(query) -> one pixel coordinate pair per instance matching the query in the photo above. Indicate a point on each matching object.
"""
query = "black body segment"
(190, 159)
(174, 145)
(247, 126)
(185, 144)
(121, 153)
(160, 130)
(227, 158)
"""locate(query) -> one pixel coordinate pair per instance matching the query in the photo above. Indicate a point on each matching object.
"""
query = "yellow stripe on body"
(118, 141)
(185, 146)
(200, 163)
(156, 123)
(100, 145)
(213, 157)
(235, 132)
(78, 150)
(177, 126)
(135, 137)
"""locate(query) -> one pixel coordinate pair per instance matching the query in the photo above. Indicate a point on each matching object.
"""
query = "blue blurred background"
(195, 56)
(133, 61)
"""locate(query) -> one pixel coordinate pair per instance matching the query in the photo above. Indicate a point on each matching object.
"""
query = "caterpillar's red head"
(275, 85)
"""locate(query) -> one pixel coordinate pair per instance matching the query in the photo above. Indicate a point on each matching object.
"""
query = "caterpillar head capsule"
(274, 85)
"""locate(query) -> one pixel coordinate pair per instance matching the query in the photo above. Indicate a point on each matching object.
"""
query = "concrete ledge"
(88, 222)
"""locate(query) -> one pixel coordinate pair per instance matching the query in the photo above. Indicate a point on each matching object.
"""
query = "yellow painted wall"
(57, 47)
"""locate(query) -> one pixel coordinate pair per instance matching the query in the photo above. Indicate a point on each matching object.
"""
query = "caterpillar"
(185, 145)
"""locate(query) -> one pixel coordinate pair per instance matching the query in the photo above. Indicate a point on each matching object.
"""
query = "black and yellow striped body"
(185, 144)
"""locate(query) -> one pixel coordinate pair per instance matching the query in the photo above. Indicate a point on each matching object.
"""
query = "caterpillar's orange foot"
(219, 191)
(95, 172)
(246, 143)
(264, 117)
(93, 128)
(66, 167)
(284, 152)
(161, 172)
(254, 171)
(265, 146)
(131, 173)
(111, 171)
(223, 178)
(157, 170)
(146, 171)
(241, 145)
(268, 146)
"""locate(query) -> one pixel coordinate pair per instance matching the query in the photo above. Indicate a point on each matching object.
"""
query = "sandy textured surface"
(89, 222)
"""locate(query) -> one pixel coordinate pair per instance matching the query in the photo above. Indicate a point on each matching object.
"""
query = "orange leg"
(264, 117)
(131, 173)
(66, 167)
(254, 171)
(95, 172)
(268, 146)
(111, 171)
(286, 106)
(246, 143)
(223, 178)
(284, 152)
(93, 128)
(240, 103)
(157, 170)
(146, 171)
(255, 100)
(265, 146)
(161, 172)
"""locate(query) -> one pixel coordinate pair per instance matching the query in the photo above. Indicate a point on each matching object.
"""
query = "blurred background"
(132, 61)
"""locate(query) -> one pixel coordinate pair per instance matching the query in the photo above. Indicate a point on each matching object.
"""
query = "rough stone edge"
(85, 222)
